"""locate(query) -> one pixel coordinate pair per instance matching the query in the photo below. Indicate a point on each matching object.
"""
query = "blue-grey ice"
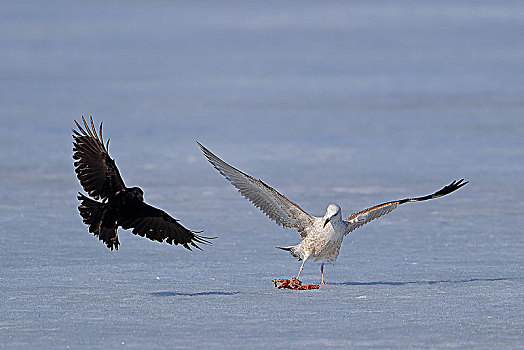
(405, 95)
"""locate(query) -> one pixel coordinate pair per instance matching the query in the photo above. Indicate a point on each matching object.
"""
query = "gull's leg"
(301, 267)
(322, 273)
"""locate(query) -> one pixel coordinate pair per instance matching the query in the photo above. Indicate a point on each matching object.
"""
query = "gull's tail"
(293, 250)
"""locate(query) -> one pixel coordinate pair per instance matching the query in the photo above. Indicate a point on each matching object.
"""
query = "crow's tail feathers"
(92, 213)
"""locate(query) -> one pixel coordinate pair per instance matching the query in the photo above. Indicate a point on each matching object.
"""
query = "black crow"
(115, 204)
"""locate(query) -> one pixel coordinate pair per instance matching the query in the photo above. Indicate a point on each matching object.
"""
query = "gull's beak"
(327, 220)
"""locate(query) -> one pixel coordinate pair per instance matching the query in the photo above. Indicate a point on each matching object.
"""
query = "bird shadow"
(429, 282)
(184, 294)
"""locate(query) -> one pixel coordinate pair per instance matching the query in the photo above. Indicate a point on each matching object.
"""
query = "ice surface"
(403, 97)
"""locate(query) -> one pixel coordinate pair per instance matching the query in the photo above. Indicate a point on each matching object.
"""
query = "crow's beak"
(327, 220)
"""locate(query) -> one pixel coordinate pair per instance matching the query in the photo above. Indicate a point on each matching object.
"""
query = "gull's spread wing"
(275, 205)
(95, 169)
(363, 217)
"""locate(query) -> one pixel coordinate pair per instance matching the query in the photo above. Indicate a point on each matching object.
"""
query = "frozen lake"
(355, 103)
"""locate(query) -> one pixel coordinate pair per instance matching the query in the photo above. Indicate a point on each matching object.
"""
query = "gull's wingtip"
(458, 184)
(463, 182)
(207, 153)
(202, 148)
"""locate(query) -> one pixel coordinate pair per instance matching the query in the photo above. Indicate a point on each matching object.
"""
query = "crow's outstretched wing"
(363, 217)
(275, 205)
(155, 224)
(95, 169)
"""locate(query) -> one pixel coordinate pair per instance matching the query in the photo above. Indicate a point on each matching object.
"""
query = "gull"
(321, 236)
(120, 205)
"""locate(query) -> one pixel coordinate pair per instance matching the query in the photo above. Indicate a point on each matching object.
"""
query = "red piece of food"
(293, 283)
